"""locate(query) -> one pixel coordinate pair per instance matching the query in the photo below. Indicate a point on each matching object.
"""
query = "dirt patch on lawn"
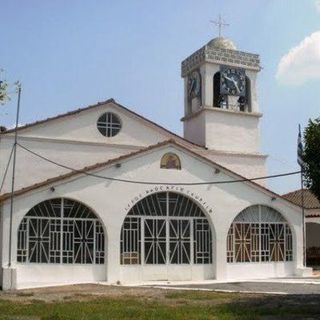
(87, 292)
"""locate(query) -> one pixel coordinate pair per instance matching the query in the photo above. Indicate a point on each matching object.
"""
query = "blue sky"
(69, 54)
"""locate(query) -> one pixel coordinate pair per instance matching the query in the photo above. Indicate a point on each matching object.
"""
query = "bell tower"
(221, 110)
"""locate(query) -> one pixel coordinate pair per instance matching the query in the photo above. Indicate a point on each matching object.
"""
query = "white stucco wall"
(231, 138)
(83, 127)
(31, 169)
(208, 71)
(231, 131)
(224, 130)
(252, 75)
(112, 200)
(73, 141)
(194, 129)
(249, 166)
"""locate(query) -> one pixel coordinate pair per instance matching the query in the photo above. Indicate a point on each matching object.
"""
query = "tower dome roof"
(222, 43)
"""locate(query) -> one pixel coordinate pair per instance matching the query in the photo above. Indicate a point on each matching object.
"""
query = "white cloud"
(301, 63)
(317, 5)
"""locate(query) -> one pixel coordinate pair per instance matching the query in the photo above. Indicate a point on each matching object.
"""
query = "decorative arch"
(170, 161)
(61, 231)
(166, 228)
(259, 234)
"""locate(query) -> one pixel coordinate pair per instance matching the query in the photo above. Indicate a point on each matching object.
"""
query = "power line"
(155, 183)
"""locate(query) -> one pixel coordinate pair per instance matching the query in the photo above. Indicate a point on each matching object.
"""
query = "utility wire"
(155, 183)
(7, 168)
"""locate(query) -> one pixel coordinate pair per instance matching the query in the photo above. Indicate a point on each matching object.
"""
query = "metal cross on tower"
(220, 24)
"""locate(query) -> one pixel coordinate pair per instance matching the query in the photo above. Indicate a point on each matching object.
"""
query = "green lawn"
(162, 305)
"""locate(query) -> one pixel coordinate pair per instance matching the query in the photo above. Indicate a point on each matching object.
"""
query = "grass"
(168, 305)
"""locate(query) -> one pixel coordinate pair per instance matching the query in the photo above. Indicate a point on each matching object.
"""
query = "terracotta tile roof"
(98, 104)
(88, 169)
(310, 200)
(312, 216)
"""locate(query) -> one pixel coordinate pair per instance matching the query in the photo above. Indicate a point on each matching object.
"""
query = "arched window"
(166, 228)
(170, 161)
(216, 90)
(259, 234)
(60, 231)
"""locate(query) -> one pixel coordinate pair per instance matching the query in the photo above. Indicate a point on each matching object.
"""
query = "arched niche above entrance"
(170, 161)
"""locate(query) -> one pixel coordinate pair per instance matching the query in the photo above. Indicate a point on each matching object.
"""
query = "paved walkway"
(273, 286)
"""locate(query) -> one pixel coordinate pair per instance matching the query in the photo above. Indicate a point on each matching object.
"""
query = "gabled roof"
(310, 200)
(88, 169)
(167, 132)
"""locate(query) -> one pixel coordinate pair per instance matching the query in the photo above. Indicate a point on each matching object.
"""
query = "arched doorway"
(167, 236)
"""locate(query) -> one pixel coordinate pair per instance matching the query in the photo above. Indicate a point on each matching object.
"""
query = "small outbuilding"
(312, 220)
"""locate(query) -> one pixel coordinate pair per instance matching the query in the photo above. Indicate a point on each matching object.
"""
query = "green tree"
(3, 89)
(311, 156)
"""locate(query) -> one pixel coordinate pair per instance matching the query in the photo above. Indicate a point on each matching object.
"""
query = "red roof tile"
(310, 200)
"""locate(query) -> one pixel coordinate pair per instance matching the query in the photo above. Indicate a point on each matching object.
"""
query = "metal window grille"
(155, 241)
(202, 241)
(109, 124)
(179, 241)
(255, 242)
(99, 250)
(242, 242)
(39, 240)
(55, 240)
(60, 231)
(277, 239)
(289, 251)
(22, 251)
(166, 228)
(130, 241)
(259, 234)
(230, 244)
(265, 242)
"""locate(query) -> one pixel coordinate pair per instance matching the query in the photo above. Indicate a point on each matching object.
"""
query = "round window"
(109, 124)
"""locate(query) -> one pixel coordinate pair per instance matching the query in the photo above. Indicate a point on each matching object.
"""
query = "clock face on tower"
(232, 81)
(194, 85)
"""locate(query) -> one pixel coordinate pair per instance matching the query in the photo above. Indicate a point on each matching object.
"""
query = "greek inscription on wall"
(180, 189)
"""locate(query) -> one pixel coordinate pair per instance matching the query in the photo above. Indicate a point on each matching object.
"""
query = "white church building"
(104, 194)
